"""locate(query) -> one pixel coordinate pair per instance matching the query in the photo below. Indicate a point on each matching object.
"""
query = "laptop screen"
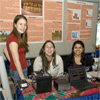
(77, 73)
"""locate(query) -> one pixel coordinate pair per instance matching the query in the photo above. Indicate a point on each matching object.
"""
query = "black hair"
(83, 57)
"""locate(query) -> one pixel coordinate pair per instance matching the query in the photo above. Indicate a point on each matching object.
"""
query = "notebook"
(78, 78)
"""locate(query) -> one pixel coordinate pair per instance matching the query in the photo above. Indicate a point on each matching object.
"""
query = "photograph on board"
(75, 34)
(3, 36)
(56, 35)
(76, 14)
(31, 7)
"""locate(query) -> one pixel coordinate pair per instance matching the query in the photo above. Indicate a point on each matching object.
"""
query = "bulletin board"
(62, 21)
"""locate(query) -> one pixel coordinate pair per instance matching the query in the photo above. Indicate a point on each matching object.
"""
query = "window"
(98, 30)
(98, 35)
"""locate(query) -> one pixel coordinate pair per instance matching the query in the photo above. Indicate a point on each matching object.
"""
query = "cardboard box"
(62, 84)
(4, 91)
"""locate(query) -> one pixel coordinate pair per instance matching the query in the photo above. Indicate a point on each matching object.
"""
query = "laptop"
(78, 78)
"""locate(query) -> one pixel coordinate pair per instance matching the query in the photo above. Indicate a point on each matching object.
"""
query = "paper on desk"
(92, 73)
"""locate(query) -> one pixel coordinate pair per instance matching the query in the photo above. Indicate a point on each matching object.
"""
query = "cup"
(96, 60)
(94, 67)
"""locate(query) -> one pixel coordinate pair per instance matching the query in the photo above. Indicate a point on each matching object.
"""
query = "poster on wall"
(31, 7)
(44, 19)
(79, 20)
(53, 20)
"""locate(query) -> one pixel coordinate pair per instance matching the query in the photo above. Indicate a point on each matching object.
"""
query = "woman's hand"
(28, 80)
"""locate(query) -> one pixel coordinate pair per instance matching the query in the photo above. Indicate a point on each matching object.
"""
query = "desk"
(29, 93)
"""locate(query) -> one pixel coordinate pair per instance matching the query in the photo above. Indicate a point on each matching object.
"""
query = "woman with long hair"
(48, 60)
(15, 49)
(77, 56)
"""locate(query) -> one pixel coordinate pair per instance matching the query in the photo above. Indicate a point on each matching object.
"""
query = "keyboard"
(83, 85)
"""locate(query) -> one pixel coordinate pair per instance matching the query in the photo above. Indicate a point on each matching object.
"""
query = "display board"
(62, 21)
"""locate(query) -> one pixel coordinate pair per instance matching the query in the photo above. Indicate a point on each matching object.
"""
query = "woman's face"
(49, 49)
(78, 49)
(21, 25)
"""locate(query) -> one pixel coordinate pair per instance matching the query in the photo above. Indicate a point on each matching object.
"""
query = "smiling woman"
(15, 48)
(77, 56)
(21, 26)
(48, 60)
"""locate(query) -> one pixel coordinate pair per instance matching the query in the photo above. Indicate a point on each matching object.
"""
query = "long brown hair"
(22, 39)
(45, 62)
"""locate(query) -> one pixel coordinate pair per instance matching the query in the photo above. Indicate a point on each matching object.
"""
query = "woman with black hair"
(48, 60)
(77, 56)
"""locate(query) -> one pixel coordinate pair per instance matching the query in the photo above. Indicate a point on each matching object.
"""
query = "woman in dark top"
(77, 56)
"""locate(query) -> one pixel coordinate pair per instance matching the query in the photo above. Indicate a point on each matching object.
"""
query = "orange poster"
(53, 20)
(79, 21)
(35, 29)
(44, 19)
(8, 10)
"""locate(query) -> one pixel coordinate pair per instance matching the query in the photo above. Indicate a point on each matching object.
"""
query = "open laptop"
(78, 78)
